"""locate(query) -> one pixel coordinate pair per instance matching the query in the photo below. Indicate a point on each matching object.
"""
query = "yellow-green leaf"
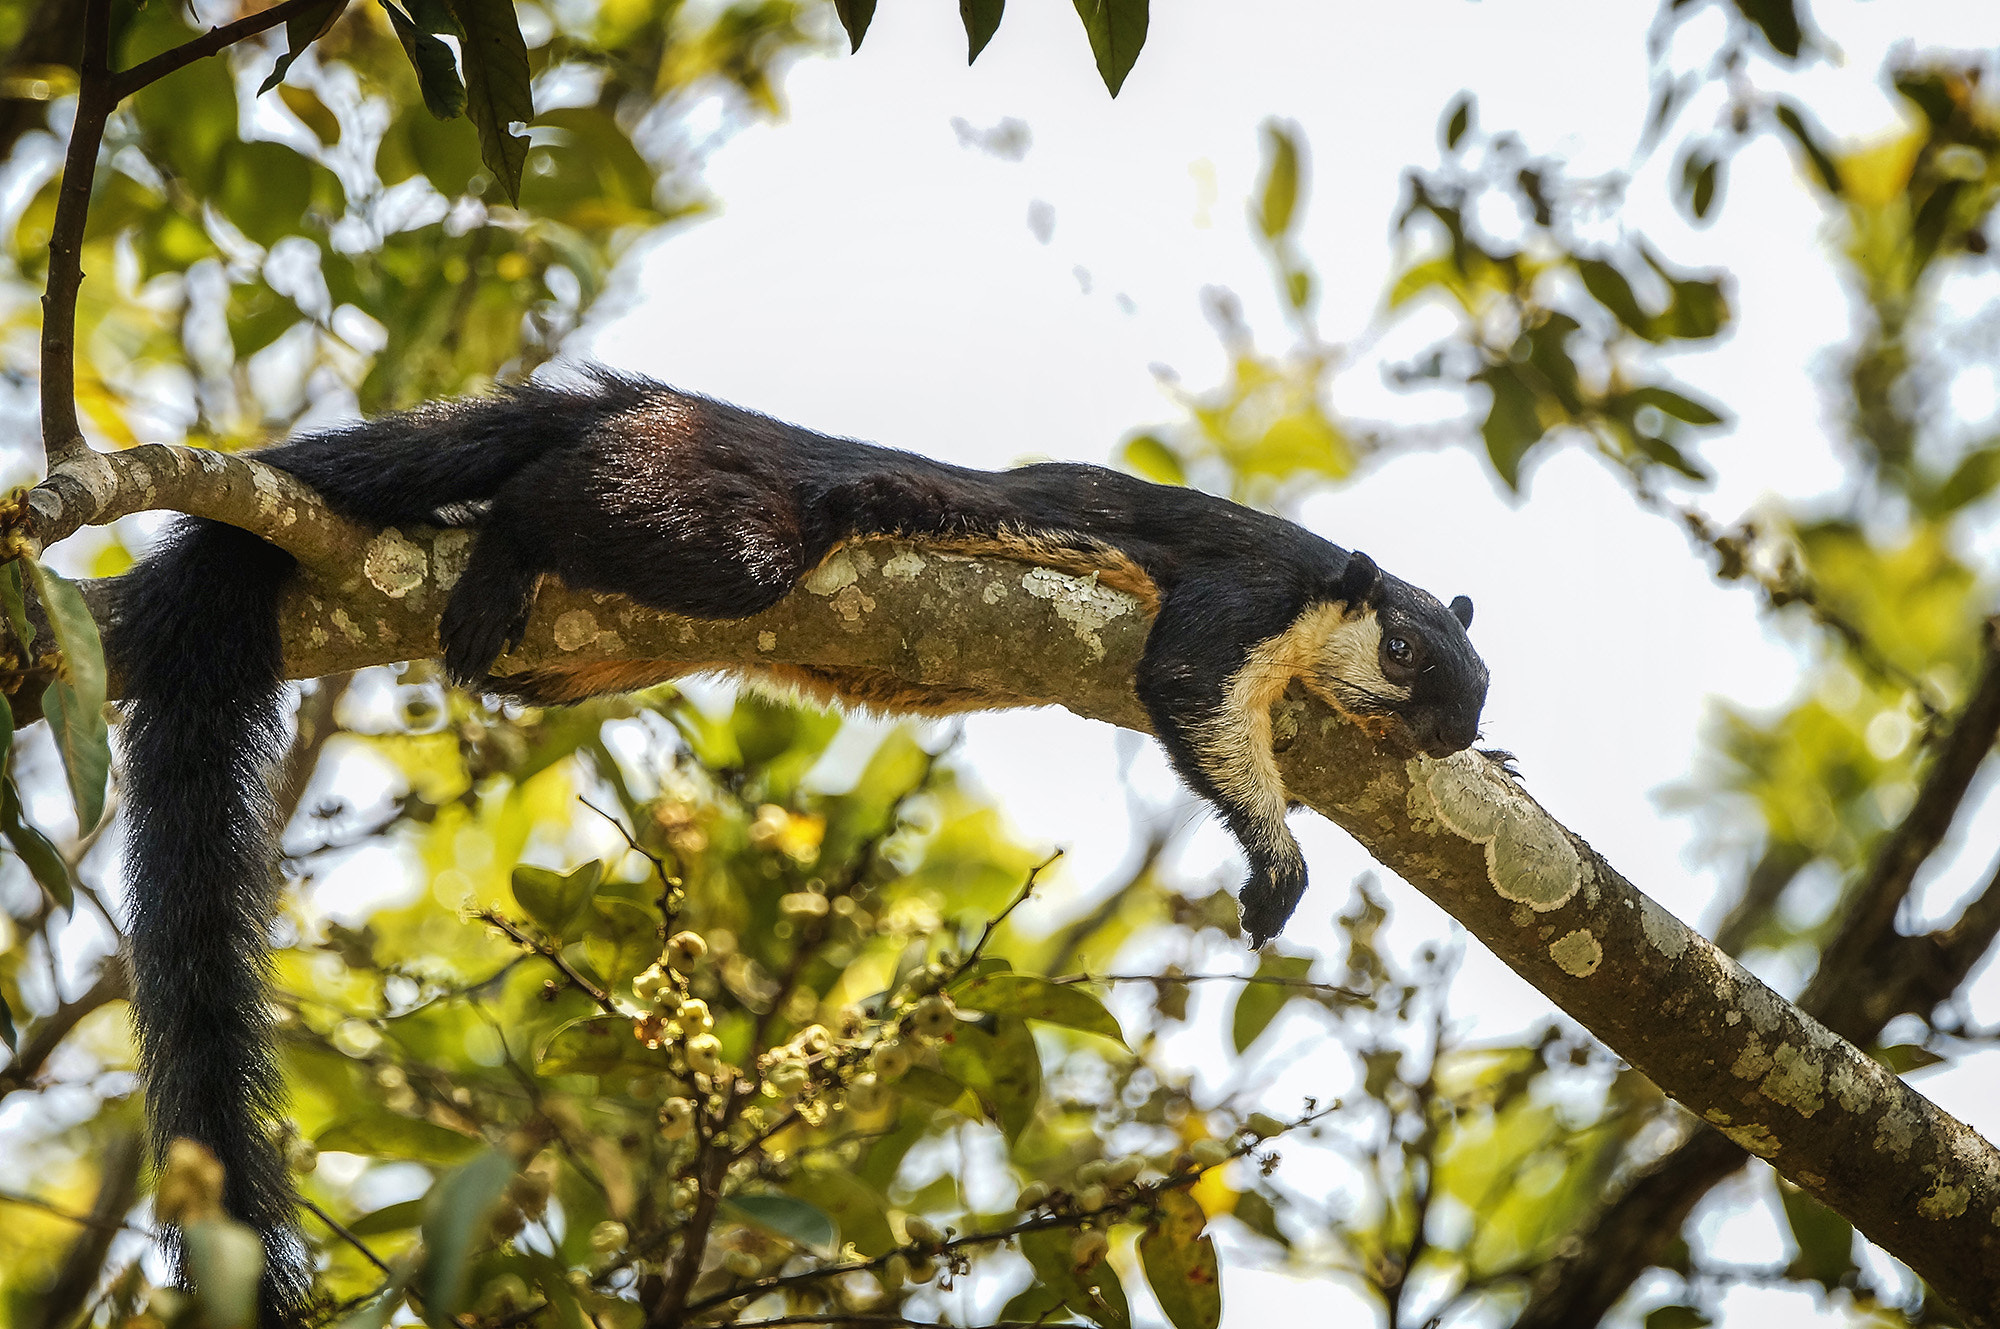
(791, 1218)
(1179, 1259)
(44, 863)
(1035, 998)
(225, 1259)
(74, 703)
(1278, 200)
(455, 1222)
(554, 899)
(388, 1135)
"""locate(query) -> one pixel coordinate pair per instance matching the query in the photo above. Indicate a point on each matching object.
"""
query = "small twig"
(1268, 980)
(1140, 1198)
(659, 864)
(554, 955)
(341, 1231)
(67, 1215)
(993, 923)
(879, 1319)
(47, 1033)
(129, 81)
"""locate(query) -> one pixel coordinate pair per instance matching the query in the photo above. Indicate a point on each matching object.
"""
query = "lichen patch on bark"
(905, 565)
(832, 576)
(394, 564)
(1079, 602)
(1529, 859)
(1796, 1079)
(1577, 953)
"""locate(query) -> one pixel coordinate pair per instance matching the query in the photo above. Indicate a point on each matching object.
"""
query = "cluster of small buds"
(890, 1060)
(676, 1118)
(1089, 1248)
(934, 1018)
(1099, 1184)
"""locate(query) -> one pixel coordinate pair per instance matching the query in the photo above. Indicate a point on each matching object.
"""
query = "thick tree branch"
(1777, 1082)
(1868, 974)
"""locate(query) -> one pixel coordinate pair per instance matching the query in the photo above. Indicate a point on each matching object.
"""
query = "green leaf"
(1666, 454)
(8, 1034)
(1093, 1291)
(858, 1209)
(497, 88)
(1179, 1259)
(1822, 161)
(44, 863)
(1971, 480)
(1676, 405)
(1676, 1317)
(74, 703)
(1117, 30)
(302, 30)
(1278, 200)
(398, 1217)
(936, 1088)
(595, 1045)
(1607, 286)
(264, 191)
(855, 16)
(1700, 176)
(1259, 1003)
(1458, 121)
(1513, 423)
(1149, 456)
(17, 610)
(1002, 1070)
(225, 1259)
(1906, 1057)
(555, 899)
(437, 69)
(455, 1223)
(981, 19)
(1825, 1239)
(1779, 23)
(1035, 998)
(436, 17)
(791, 1218)
(1256, 1212)
(1698, 311)
(385, 1134)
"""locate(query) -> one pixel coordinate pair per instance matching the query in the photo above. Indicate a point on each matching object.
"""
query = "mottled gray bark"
(1916, 1181)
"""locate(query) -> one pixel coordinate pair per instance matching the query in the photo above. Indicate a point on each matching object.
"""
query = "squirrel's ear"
(1357, 581)
(1461, 609)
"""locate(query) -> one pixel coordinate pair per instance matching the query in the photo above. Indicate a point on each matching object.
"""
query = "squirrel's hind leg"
(487, 613)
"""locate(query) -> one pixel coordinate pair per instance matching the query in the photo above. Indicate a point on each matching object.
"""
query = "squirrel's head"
(1401, 656)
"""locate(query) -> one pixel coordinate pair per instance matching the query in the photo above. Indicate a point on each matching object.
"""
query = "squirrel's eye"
(1398, 650)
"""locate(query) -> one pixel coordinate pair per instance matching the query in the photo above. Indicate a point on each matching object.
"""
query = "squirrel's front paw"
(1269, 897)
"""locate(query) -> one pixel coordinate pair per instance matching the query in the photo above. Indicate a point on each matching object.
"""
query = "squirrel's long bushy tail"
(196, 642)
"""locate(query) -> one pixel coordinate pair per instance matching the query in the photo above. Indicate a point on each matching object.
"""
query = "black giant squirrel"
(694, 507)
